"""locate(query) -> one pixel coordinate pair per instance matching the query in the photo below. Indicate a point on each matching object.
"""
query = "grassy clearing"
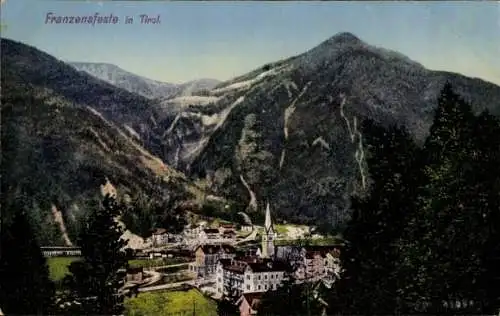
(189, 302)
(58, 266)
(281, 229)
(325, 241)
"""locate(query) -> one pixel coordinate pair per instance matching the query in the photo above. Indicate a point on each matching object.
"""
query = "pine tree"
(447, 241)
(370, 281)
(96, 280)
(25, 286)
(483, 194)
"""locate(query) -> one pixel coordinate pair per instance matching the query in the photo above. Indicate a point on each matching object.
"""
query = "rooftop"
(211, 231)
(253, 299)
(210, 249)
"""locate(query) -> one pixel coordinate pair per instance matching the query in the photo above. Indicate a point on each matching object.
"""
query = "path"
(196, 282)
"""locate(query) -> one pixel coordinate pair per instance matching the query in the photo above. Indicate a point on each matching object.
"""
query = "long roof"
(210, 249)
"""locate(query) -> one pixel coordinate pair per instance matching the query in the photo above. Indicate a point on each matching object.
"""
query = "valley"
(288, 132)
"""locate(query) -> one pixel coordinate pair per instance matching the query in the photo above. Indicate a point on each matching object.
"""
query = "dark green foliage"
(157, 210)
(427, 235)
(227, 307)
(96, 279)
(290, 299)
(25, 287)
(458, 209)
(369, 284)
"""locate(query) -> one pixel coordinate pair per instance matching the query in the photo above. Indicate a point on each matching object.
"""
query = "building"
(268, 236)
(224, 227)
(332, 264)
(248, 303)
(159, 237)
(247, 228)
(209, 233)
(58, 251)
(229, 234)
(246, 275)
(207, 257)
(135, 274)
(311, 263)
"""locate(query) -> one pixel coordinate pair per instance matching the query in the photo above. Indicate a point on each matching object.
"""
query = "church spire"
(268, 236)
(268, 222)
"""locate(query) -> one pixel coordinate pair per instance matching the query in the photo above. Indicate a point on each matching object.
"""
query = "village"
(238, 263)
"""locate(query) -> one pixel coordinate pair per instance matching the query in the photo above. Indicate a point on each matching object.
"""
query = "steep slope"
(289, 131)
(141, 85)
(59, 151)
(139, 117)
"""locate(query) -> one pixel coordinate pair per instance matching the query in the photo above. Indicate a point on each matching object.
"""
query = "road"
(250, 237)
(172, 285)
(155, 278)
(168, 266)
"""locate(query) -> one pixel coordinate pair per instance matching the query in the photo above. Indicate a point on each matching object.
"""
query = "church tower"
(268, 235)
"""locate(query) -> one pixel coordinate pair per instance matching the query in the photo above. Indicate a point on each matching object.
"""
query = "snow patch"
(288, 113)
(359, 154)
(185, 101)
(221, 118)
(247, 83)
(320, 140)
(132, 132)
(253, 199)
(59, 220)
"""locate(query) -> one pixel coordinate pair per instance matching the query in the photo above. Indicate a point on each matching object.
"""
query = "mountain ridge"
(64, 137)
(150, 88)
(295, 138)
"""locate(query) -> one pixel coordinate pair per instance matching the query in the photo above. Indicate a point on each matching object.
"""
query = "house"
(135, 274)
(247, 228)
(224, 227)
(314, 266)
(311, 263)
(245, 275)
(159, 237)
(229, 234)
(207, 256)
(209, 233)
(249, 302)
(332, 264)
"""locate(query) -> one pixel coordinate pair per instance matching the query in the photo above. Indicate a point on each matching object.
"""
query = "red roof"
(159, 231)
(253, 299)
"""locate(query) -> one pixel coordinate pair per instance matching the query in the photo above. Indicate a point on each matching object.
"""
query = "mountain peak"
(344, 38)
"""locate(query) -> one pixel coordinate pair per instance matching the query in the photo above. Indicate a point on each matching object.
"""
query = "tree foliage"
(95, 281)
(25, 287)
(426, 238)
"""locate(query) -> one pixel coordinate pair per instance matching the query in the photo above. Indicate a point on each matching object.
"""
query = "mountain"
(143, 86)
(67, 137)
(289, 132)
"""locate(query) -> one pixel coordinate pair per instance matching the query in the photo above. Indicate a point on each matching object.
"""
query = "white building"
(209, 234)
(249, 275)
(246, 228)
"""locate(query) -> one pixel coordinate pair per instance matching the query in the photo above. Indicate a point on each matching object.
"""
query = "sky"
(225, 39)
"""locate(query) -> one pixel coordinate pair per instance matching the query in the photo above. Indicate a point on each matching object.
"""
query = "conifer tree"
(96, 280)
(25, 286)
(370, 281)
(446, 240)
